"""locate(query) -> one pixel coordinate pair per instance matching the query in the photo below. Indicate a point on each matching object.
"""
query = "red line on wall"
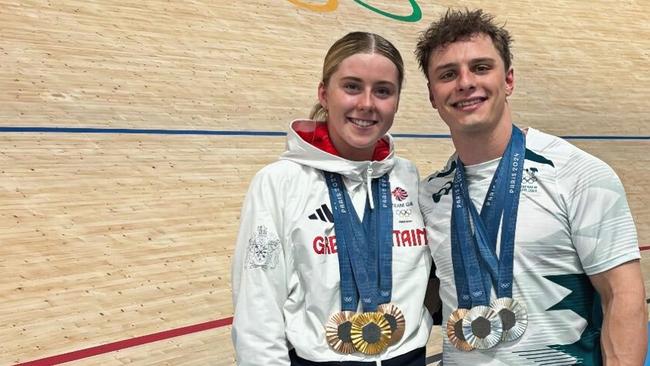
(137, 341)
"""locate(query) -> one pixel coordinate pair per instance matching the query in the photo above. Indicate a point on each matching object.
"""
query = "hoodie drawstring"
(369, 186)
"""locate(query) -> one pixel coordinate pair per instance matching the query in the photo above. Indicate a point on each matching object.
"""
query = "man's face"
(468, 85)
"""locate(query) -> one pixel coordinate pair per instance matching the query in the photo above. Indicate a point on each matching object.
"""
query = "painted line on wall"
(138, 341)
(91, 130)
(132, 342)
(140, 131)
(604, 137)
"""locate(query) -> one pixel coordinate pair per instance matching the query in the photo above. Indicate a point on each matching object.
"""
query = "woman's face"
(361, 100)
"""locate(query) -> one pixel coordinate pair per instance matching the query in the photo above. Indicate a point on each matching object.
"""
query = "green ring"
(415, 16)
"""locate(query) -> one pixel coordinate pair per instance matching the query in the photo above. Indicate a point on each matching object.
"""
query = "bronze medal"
(514, 317)
(370, 332)
(337, 332)
(482, 327)
(455, 330)
(395, 318)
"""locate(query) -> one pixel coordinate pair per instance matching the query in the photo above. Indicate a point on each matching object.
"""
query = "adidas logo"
(323, 214)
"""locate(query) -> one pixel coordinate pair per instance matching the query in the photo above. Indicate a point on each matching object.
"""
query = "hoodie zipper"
(369, 172)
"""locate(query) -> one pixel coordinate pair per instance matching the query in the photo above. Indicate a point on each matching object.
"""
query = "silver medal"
(482, 327)
(514, 317)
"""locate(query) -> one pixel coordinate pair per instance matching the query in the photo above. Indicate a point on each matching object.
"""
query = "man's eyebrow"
(473, 61)
(445, 66)
(488, 60)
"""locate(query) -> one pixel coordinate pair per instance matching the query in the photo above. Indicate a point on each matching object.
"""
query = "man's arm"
(624, 337)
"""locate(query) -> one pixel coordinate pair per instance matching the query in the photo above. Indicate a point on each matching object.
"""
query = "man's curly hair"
(457, 25)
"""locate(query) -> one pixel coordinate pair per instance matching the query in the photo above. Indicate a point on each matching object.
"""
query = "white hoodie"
(285, 274)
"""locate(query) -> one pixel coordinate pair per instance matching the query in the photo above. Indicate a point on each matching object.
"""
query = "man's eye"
(448, 75)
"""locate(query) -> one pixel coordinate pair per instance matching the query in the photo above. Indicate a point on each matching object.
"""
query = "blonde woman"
(332, 260)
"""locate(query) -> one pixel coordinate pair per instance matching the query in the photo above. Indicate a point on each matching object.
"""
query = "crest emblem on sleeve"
(262, 249)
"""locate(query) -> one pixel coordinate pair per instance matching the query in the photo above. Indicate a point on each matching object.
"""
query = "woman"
(332, 262)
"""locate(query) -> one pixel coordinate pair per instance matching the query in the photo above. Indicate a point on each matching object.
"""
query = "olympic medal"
(514, 317)
(337, 332)
(455, 330)
(395, 318)
(370, 332)
(482, 327)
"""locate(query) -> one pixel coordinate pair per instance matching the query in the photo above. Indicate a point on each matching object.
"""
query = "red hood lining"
(320, 138)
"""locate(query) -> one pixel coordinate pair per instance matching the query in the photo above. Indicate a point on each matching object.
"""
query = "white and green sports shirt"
(573, 222)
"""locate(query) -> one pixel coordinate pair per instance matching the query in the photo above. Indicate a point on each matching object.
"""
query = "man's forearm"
(624, 337)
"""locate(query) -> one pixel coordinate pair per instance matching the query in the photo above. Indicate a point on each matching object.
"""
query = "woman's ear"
(322, 95)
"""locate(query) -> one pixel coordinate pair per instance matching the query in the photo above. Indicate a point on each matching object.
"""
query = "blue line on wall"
(139, 131)
(594, 137)
(254, 133)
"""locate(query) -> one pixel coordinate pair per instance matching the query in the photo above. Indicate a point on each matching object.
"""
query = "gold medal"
(514, 317)
(395, 318)
(482, 327)
(337, 332)
(370, 332)
(455, 330)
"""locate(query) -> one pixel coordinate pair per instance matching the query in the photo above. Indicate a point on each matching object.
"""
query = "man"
(522, 257)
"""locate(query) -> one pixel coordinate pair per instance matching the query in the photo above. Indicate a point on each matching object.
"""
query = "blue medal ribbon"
(364, 248)
(479, 248)
(509, 223)
(470, 289)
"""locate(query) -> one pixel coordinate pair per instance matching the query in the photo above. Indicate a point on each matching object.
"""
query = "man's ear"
(510, 81)
(431, 99)
(322, 95)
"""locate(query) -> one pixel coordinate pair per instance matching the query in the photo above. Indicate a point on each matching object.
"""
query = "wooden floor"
(109, 235)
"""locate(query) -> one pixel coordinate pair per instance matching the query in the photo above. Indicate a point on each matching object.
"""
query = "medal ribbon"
(364, 248)
(509, 223)
(500, 207)
(470, 289)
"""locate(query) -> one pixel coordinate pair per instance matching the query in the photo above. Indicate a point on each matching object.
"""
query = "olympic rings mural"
(331, 5)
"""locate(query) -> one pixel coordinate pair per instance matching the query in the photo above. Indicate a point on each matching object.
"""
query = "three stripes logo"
(323, 214)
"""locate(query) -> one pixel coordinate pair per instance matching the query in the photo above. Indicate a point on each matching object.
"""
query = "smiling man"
(532, 238)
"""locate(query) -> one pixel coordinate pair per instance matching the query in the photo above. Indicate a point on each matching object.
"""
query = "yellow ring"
(330, 5)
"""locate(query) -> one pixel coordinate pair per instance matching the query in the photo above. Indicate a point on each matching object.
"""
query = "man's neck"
(481, 146)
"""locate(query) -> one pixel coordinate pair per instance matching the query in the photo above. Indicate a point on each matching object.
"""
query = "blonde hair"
(352, 44)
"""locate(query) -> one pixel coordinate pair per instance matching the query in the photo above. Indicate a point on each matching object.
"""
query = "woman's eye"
(384, 92)
(351, 87)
